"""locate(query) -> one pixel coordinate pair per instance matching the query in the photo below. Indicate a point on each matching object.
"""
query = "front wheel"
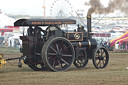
(81, 60)
(100, 57)
(58, 54)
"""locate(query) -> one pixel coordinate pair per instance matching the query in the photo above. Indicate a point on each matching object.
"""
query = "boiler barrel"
(89, 43)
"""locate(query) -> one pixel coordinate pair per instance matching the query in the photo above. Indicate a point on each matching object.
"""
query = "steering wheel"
(52, 28)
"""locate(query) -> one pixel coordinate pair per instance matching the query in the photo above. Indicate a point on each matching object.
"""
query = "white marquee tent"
(6, 21)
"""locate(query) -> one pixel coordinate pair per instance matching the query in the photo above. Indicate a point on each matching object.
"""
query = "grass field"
(114, 74)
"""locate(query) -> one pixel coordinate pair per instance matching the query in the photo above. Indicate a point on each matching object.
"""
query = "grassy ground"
(114, 74)
(10, 50)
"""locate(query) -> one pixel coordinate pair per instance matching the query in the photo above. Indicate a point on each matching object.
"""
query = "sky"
(34, 7)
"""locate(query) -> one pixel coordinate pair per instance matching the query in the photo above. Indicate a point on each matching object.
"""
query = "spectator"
(123, 44)
(101, 43)
(105, 44)
(127, 45)
(16, 43)
(10, 43)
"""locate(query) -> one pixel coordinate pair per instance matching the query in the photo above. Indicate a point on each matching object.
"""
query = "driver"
(30, 31)
(81, 29)
(37, 32)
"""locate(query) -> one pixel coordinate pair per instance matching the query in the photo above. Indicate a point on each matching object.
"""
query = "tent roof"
(6, 21)
(122, 40)
(125, 35)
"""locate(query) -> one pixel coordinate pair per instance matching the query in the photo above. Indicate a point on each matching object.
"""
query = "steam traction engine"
(55, 49)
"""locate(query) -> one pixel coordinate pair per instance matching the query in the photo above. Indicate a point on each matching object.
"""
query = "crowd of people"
(123, 45)
(110, 46)
(106, 44)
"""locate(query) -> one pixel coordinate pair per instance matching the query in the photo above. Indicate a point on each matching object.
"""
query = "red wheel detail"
(58, 54)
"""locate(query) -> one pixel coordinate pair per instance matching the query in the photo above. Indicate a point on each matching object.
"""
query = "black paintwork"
(43, 22)
(33, 43)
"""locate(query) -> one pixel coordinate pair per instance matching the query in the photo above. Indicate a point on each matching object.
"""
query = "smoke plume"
(98, 8)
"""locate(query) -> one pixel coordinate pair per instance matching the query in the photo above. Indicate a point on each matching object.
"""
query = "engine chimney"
(89, 26)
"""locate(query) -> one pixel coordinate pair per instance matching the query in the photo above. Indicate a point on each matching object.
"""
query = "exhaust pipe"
(89, 26)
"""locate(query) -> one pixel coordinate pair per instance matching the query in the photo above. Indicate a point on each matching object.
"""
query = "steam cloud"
(98, 8)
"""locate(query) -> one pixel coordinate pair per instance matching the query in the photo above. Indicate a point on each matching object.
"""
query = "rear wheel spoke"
(66, 55)
(51, 53)
(65, 61)
(54, 63)
(60, 65)
(52, 58)
(53, 49)
(61, 46)
(57, 47)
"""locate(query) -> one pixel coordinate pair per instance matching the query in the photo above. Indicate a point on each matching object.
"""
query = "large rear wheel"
(58, 54)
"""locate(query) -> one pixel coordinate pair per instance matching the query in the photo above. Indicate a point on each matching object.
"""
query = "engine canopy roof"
(43, 22)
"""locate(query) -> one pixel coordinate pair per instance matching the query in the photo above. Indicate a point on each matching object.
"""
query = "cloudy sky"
(34, 7)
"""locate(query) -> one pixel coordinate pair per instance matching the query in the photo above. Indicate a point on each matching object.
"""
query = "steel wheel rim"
(60, 55)
(101, 58)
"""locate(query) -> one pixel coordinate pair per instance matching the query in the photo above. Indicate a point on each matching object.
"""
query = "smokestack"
(89, 26)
